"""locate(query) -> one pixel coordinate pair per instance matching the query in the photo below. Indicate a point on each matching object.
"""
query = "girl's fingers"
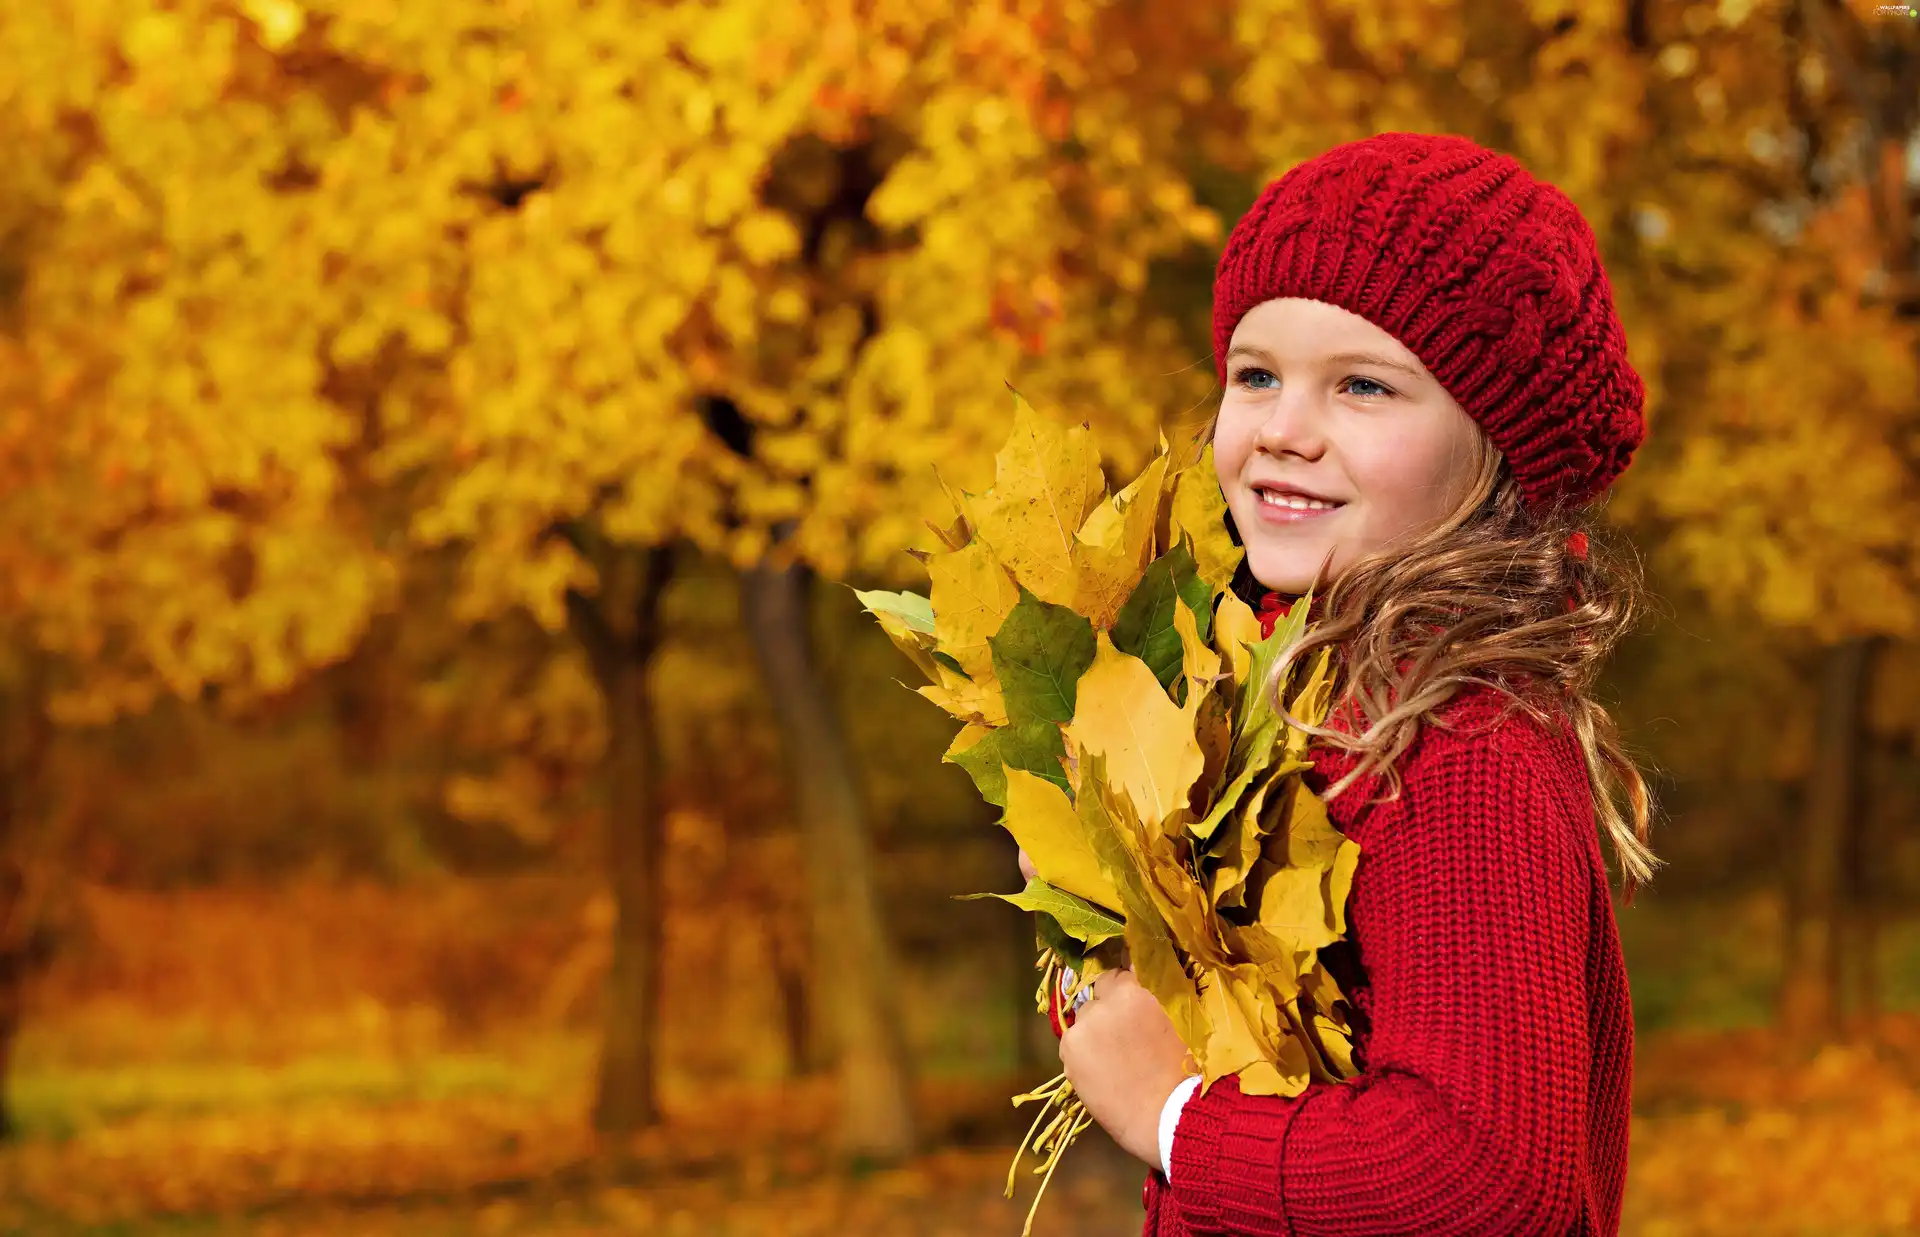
(1027, 870)
(1103, 987)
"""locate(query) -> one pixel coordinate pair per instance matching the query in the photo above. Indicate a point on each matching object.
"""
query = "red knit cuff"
(1229, 1155)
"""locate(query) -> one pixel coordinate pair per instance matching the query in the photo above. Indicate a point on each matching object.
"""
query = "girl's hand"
(1124, 1059)
(1027, 870)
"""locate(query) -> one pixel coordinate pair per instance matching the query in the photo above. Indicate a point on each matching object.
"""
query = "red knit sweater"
(1495, 1036)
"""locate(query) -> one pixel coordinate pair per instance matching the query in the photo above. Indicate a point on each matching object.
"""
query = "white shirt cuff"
(1170, 1121)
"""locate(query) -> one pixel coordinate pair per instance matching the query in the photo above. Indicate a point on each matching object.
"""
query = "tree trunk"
(853, 967)
(362, 696)
(620, 631)
(365, 700)
(26, 941)
(1817, 858)
(1859, 929)
(798, 1029)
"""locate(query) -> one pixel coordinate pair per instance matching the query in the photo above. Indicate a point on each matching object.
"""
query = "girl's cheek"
(1230, 444)
(1405, 488)
(1223, 472)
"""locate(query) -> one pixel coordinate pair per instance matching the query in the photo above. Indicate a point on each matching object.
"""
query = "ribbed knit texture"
(1491, 277)
(1496, 1037)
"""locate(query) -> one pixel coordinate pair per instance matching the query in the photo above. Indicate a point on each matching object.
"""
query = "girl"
(1426, 387)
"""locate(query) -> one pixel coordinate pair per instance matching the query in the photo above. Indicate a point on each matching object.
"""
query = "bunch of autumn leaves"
(1119, 704)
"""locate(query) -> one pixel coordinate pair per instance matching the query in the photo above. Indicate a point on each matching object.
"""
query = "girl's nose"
(1295, 425)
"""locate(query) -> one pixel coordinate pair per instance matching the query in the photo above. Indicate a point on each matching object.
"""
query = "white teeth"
(1295, 502)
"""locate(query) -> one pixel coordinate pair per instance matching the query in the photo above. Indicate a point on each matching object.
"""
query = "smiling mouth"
(1287, 504)
(1294, 502)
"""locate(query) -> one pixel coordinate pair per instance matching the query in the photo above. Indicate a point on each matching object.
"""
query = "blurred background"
(445, 783)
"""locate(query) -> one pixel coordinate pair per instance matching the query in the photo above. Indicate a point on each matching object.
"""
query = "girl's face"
(1333, 441)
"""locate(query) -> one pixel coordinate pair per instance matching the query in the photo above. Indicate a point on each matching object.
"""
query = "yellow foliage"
(1125, 719)
(1045, 480)
(971, 594)
(300, 271)
(1790, 491)
(1041, 819)
(294, 274)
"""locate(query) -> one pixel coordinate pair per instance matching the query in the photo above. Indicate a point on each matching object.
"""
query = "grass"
(1715, 964)
(54, 1102)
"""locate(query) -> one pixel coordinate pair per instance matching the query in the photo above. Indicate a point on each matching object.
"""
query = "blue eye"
(1258, 379)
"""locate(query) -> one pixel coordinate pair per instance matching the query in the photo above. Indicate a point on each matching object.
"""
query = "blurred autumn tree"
(864, 224)
(1781, 182)
(571, 290)
(174, 515)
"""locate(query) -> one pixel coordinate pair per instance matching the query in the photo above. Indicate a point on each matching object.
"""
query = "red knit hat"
(1490, 277)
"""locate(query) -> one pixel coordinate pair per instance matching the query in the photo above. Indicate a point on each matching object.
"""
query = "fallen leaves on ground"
(1738, 1133)
(1733, 1136)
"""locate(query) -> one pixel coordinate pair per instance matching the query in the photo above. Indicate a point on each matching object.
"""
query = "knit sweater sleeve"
(1471, 910)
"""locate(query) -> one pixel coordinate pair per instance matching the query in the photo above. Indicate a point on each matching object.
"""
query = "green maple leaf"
(1144, 626)
(1037, 747)
(1075, 917)
(1039, 654)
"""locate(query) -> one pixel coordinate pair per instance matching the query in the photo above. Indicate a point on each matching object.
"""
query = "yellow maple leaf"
(1234, 1042)
(1235, 626)
(975, 703)
(1042, 820)
(1331, 1032)
(1199, 664)
(970, 734)
(1248, 1035)
(1112, 549)
(971, 594)
(917, 645)
(1200, 514)
(1213, 730)
(1045, 479)
(1241, 842)
(1300, 885)
(1153, 952)
(1123, 716)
